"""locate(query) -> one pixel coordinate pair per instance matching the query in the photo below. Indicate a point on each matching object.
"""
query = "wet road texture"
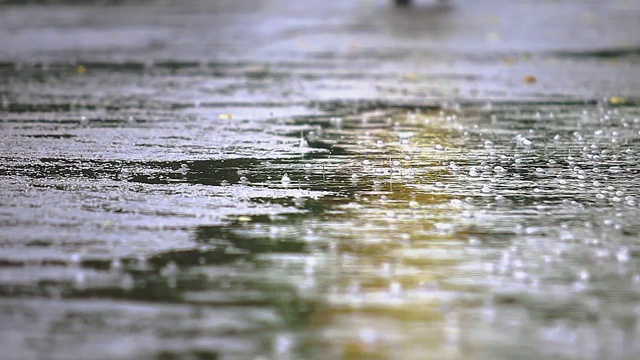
(319, 179)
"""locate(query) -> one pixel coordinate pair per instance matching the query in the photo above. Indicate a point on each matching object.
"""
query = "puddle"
(356, 187)
(460, 231)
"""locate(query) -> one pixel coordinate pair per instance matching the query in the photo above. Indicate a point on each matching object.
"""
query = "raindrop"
(143, 264)
(336, 122)
(170, 272)
(75, 260)
(525, 142)
(184, 169)
(354, 288)
(623, 255)
(310, 263)
(80, 280)
(125, 174)
(584, 275)
(299, 201)
(244, 180)
(395, 289)
(283, 344)
(224, 183)
(499, 170)
(486, 189)
(127, 283)
(303, 143)
(474, 241)
(501, 199)
(368, 336)
(116, 265)
(285, 179)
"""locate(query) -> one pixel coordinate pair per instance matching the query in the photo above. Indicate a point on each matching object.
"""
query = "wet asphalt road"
(319, 180)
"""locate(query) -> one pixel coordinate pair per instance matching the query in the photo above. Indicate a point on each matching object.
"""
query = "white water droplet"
(285, 179)
(395, 289)
(623, 255)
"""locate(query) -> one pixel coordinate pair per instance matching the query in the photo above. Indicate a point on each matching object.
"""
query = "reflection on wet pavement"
(392, 195)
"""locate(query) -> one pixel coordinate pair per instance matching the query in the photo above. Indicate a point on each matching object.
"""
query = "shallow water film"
(319, 180)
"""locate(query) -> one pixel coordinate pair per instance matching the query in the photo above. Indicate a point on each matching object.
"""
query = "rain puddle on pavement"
(478, 231)
(319, 180)
(356, 231)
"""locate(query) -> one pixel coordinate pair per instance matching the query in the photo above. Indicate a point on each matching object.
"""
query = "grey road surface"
(319, 179)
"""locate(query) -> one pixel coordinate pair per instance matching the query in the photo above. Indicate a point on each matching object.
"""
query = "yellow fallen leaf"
(81, 69)
(410, 76)
(225, 116)
(616, 100)
(508, 61)
(529, 79)
(244, 218)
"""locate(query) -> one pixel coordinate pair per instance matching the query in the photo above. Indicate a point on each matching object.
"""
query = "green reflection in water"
(378, 257)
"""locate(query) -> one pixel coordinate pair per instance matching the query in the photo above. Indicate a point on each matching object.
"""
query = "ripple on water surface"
(465, 231)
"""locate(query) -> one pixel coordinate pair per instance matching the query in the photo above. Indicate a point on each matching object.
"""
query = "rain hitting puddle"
(319, 180)
(464, 230)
